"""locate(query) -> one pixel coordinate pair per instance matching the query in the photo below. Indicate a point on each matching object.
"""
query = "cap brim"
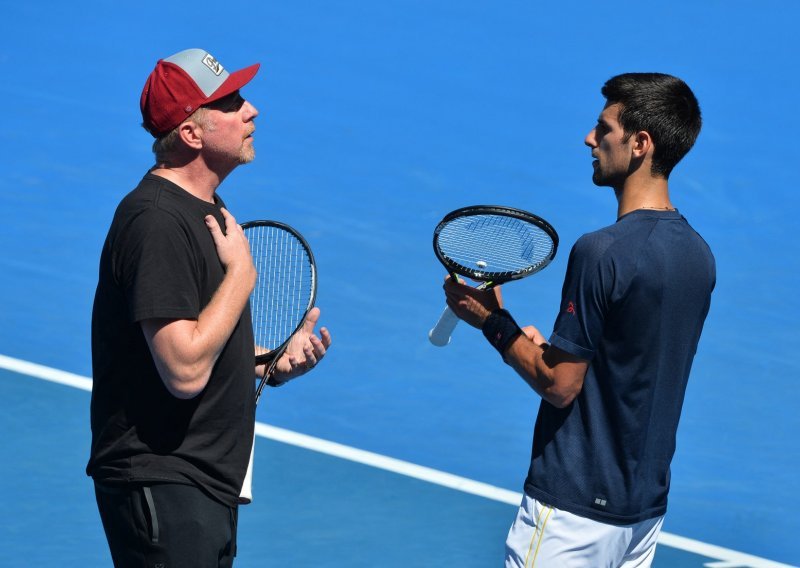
(234, 82)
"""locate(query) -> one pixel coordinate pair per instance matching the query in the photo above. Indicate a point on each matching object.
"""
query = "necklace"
(658, 208)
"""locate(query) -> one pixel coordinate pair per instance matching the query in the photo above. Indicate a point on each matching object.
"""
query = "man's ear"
(191, 133)
(642, 144)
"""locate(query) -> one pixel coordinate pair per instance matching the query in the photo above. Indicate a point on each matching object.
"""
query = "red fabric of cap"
(170, 95)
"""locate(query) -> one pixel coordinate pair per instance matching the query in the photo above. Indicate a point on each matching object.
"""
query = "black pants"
(166, 526)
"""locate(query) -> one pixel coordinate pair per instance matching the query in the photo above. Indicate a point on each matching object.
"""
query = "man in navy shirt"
(613, 375)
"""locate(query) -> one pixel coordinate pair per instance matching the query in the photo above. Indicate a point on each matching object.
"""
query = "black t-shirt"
(634, 301)
(159, 261)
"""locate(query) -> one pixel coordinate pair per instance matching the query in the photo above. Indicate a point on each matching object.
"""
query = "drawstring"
(148, 496)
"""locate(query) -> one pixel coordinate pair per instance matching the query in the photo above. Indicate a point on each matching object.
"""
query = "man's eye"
(230, 103)
(236, 104)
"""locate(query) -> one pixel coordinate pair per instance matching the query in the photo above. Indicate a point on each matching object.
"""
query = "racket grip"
(246, 494)
(441, 332)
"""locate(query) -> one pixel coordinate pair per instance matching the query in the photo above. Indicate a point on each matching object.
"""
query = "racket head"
(494, 243)
(286, 285)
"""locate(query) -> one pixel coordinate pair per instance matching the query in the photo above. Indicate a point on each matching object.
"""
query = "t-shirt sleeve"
(584, 298)
(156, 268)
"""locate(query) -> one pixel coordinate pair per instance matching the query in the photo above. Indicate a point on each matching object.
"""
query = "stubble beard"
(601, 179)
(247, 155)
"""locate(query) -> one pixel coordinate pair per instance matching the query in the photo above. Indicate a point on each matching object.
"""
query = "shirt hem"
(591, 513)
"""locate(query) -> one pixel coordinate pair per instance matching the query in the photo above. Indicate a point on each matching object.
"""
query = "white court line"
(46, 373)
(726, 558)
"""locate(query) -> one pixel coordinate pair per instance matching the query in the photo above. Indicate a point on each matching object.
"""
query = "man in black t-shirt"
(613, 376)
(173, 400)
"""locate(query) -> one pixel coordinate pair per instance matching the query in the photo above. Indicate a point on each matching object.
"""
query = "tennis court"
(376, 120)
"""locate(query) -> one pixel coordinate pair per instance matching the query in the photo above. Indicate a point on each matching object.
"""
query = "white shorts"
(544, 537)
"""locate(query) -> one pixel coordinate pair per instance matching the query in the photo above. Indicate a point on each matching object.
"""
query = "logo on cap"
(213, 64)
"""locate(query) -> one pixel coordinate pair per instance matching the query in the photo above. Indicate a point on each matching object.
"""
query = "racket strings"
(284, 288)
(495, 244)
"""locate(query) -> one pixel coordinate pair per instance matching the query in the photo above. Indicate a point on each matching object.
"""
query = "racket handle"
(246, 494)
(441, 332)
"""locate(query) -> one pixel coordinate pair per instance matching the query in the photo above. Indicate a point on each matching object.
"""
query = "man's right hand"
(232, 247)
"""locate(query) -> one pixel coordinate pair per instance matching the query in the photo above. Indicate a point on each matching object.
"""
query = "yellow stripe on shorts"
(539, 527)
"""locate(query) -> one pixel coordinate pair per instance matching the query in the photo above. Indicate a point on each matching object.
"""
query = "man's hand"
(470, 304)
(534, 335)
(232, 247)
(304, 352)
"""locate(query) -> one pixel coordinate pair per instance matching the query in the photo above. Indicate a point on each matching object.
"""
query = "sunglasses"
(228, 103)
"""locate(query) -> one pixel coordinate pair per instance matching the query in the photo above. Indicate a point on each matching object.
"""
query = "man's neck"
(194, 178)
(643, 192)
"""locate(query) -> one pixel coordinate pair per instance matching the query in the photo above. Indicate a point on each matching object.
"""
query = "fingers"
(312, 317)
(459, 292)
(321, 343)
(470, 304)
(305, 351)
(532, 333)
(229, 220)
(213, 228)
(452, 283)
(213, 224)
(299, 361)
(498, 295)
(457, 284)
(312, 355)
(231, 226)
(325, 336)
(232, 246)
(315, 347)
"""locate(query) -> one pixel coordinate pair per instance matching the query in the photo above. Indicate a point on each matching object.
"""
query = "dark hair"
(662, 105)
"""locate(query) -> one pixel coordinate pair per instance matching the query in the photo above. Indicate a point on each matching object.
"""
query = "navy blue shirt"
(635, 297)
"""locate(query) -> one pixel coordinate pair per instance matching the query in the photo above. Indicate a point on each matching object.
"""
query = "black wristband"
(500, 329)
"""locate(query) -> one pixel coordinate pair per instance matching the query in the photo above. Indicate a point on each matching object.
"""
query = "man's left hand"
(304, 352)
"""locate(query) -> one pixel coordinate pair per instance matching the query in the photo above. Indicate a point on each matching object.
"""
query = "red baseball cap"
(182, 83)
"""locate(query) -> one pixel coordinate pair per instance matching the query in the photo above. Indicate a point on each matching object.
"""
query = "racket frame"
(270, 359)
(493, 278)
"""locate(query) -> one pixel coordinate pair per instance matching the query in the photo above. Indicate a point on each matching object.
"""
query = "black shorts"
(166, 525)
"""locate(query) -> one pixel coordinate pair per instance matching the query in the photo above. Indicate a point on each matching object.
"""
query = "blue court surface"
(376, 119)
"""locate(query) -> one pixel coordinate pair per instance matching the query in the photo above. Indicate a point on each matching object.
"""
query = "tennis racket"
(492, 245)
(285, 290)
